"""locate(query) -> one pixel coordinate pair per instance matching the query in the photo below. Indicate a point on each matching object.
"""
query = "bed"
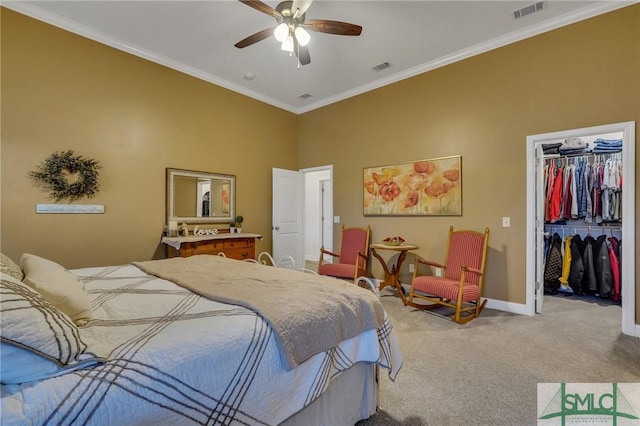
(153, 350)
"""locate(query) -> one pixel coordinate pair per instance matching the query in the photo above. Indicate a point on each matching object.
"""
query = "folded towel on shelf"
(606, 150)
(608, 142)
(573, 144)
(575, 152)
(551, 148)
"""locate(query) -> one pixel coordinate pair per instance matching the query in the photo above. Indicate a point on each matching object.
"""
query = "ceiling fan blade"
(262, 7)
(332, 27)
(301, 6)
(254, 38)
(302, 52)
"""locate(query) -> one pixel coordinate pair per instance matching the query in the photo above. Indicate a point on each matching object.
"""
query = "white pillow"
(37, 340)
(10, 267)
(59, 286)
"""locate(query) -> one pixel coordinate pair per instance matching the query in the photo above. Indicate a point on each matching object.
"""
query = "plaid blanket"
(175, 357)
(309, 313)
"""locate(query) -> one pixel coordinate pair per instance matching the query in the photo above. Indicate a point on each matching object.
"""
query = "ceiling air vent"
(532, 8)
(305, 96)
(381, 66)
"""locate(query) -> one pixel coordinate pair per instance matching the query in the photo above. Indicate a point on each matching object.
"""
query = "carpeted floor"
(486, 372)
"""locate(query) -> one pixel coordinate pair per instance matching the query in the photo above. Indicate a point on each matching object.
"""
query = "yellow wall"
(482, 108)
(60, 91)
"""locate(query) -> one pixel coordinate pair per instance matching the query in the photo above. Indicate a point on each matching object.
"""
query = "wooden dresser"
(234, 246)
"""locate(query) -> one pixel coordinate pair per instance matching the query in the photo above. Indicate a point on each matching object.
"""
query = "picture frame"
(431, 187)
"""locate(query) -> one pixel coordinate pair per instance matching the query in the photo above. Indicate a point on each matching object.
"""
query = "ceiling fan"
(292, 25)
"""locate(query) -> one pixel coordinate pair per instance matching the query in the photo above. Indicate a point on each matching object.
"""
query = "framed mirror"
(200, 197)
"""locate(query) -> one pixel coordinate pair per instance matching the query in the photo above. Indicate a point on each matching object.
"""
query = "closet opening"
(580, 189)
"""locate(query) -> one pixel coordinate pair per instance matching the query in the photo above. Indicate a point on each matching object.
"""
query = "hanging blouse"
(556, 196)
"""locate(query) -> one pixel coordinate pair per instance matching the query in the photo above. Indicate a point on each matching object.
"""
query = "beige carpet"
(486, 372)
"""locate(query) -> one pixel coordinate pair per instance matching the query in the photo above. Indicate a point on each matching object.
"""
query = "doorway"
(318, 213)
(536, 223)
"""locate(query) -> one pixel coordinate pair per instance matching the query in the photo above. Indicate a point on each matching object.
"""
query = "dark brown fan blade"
(262, 7)
(259, 36)
(332, 27)
(302, 52)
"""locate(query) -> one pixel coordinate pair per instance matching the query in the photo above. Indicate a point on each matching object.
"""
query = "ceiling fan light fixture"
(281, 32)
(287, 44)
(302, 36)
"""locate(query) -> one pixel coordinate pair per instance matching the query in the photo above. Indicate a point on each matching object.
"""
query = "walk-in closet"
(582, 185)
(581, 188)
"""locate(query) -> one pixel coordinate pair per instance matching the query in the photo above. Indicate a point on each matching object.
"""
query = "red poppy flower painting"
(418, 188)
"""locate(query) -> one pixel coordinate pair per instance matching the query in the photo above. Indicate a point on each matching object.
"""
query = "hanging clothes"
(553, 266)
(582, 191)
(580, 203)
(614, 258)
(589, 284)
(576, 189)
(587, 183)
(551, 179)
(566, 262)
(597, 192)
(555, 207)
(602, 264)
(576, 273)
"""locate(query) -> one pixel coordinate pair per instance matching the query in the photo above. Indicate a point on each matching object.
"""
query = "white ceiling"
(198, 37)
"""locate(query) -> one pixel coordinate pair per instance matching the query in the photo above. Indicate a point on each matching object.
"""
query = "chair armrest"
(430, 263)
(473, 270)
(364, 256)
(323, 251)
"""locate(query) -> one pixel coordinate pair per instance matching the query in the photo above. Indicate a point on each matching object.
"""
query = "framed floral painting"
(419, 188)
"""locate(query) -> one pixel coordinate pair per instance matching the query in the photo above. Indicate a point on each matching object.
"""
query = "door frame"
(328, 168)
(628, 211)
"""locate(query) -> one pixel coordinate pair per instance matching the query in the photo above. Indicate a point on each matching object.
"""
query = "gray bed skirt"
(352, 396)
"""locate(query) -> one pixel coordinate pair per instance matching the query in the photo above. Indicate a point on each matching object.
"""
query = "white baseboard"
(635, 331)
(513, 308)
(499, 305)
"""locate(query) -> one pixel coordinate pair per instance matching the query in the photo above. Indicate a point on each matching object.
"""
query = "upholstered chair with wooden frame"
(459, 285)
(351, 262)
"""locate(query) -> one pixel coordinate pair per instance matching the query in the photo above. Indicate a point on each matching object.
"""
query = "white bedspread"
(178, 358)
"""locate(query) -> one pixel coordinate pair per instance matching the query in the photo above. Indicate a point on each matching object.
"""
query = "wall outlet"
(438, 272)
(506, 222)
(336, 219)
(411, 265)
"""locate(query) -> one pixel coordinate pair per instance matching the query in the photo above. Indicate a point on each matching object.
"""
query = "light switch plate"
(506, 222)
(336, 219)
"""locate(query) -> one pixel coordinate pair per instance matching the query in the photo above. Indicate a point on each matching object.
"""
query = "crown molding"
(513, 37)
(587, 12)
(87, 32)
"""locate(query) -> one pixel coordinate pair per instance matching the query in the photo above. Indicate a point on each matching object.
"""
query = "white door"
(287, 225)
(539, 224)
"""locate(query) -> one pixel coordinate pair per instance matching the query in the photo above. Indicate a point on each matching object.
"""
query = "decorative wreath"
(54, 172)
